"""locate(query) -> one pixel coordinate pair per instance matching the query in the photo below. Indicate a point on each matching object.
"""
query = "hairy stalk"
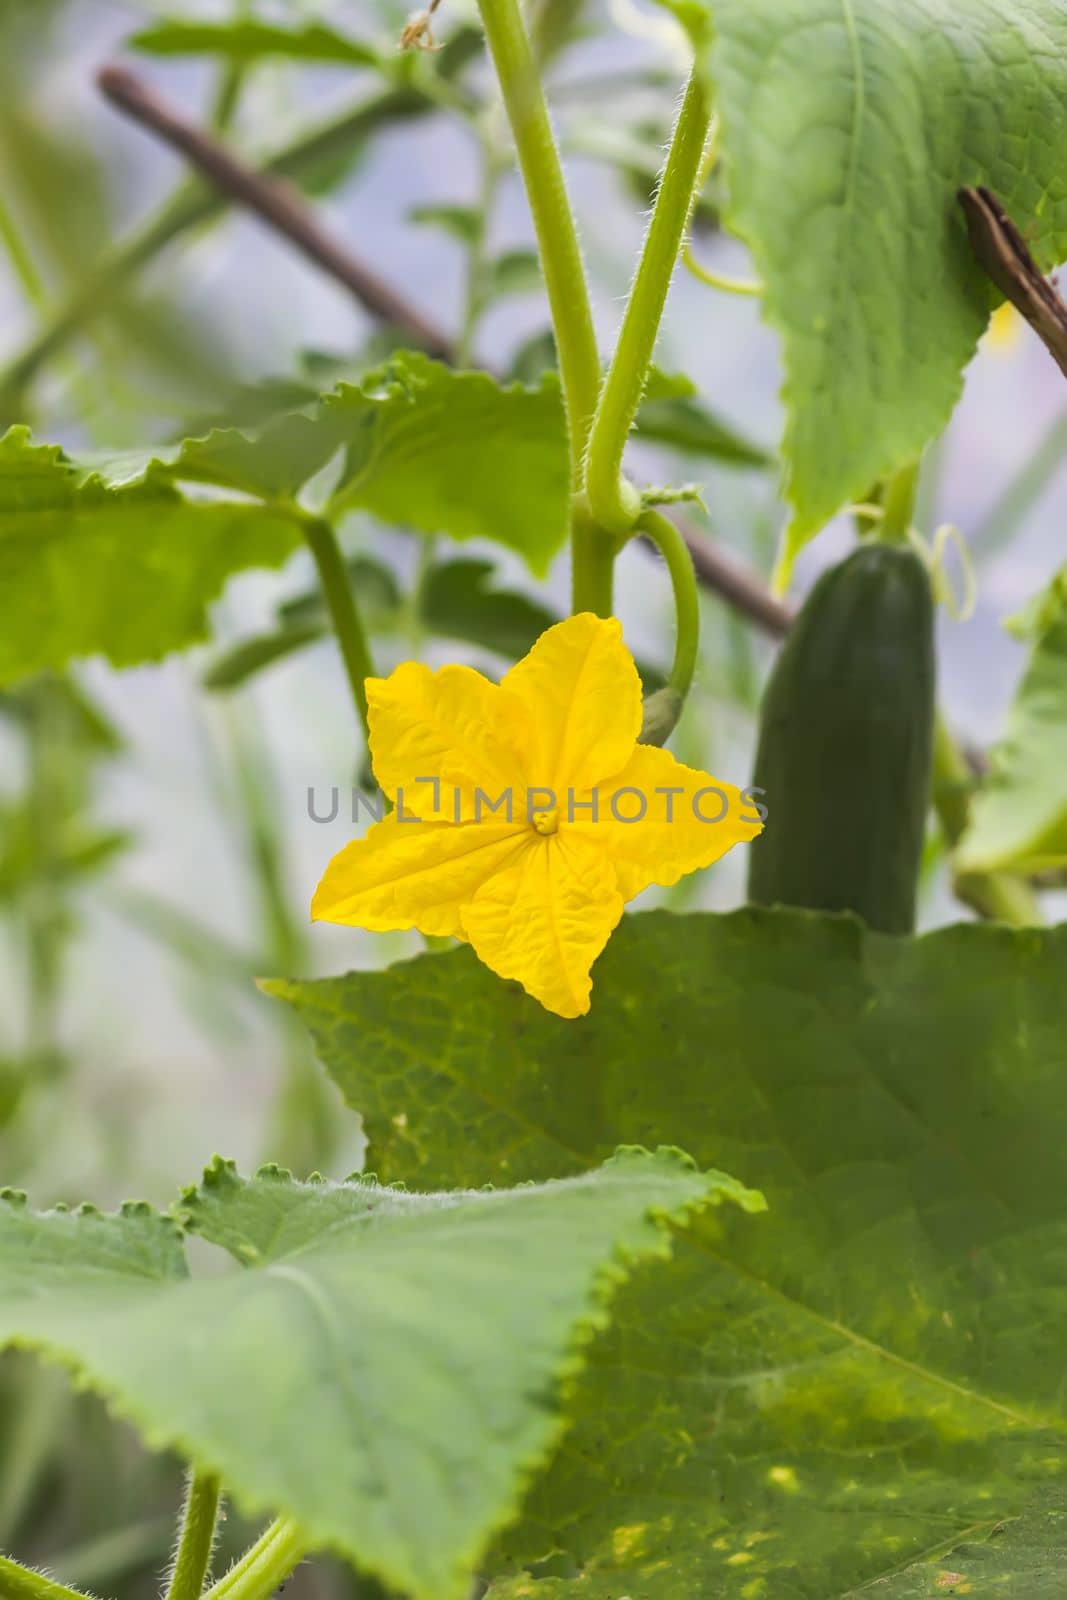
(193, 204)
(613, 502)
(557, 237)
(675, 552)
(196, 1541)
(22, 1583)
(347, 625)
(277, 1553)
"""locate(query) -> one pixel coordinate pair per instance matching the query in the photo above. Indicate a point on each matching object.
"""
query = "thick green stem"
(613, 502)
(593, 554)
(347, 624)
(675, 552)
(898, 505)
(197, 1538)
(557, 237)
(22, 1583)
(997, 896)
(194, 203)
(262, 1568)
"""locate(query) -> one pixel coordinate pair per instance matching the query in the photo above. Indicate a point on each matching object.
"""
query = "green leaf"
(1019, 814)
(800, 1408)
(848, 127)
(127, 572)
(235, 665)
(457, 600)
(1024, 1559)
(412, 1346)
(455, 453)
(304, 620)
(514, 272)
(274, 464)
(246, 40)
(671, 413)
(460, 222)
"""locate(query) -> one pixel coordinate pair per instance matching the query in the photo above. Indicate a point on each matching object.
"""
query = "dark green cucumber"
(846, 733)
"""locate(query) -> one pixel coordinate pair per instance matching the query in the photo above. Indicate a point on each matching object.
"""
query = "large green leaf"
(456, 453)
(387, 1369)
(127, 572)
(421, 445)
(798, 1408)
(848, 127)
(247, 39)
(1019, 815)
(1024, 1559)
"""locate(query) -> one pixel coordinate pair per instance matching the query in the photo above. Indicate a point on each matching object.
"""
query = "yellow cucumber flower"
(527, 813)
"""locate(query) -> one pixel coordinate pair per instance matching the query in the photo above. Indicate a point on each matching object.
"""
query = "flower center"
(547, 821)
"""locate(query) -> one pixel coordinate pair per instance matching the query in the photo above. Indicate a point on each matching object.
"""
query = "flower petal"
(581, 689)
(678, 833)
(452, 726)
(413, 874)
(545, 917)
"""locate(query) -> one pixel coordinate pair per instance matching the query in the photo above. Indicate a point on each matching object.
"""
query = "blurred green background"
(156, 847)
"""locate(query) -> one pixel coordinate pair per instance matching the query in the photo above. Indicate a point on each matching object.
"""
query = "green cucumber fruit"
(846, 734)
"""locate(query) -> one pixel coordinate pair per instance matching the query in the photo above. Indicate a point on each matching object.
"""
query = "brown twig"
(1002, 253)
(272, 200)
(284, 210)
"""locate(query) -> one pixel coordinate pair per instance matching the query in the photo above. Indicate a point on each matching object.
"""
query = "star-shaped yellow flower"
(584, 818)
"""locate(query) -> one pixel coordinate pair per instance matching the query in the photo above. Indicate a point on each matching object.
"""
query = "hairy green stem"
(557, 237)
(347, 625)
(22, 1583)
(675, 552)
(197, 1538)
(613, 502)
(262, 1568)
(193, 203)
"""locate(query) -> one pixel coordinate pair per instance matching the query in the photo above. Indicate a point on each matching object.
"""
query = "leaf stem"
(898, 505)
(22, 1583)
(277, 1553)
(347, 624)
(613, 502)
(196, 1539)
(675, 552)
(557, 237)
